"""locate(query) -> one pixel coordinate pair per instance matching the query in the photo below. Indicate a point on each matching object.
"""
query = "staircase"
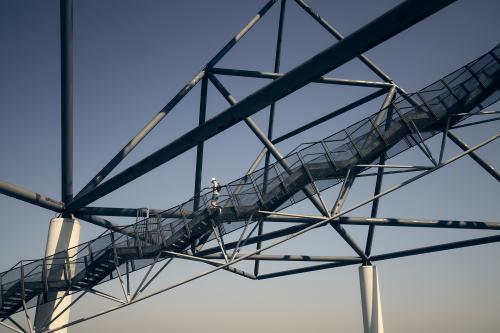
(303, 173)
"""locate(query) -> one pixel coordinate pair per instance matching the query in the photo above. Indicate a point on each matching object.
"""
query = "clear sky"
(131, 57)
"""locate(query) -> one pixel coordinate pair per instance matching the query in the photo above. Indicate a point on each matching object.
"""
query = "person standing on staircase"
(216, 188)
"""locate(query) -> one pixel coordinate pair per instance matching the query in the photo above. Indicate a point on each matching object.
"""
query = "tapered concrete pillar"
(64, 234)
(370, 300)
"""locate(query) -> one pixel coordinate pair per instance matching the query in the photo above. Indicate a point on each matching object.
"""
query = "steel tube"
(99, 221)
(171, 104)
(66, 31)
(476, 123)
(288, 257)
(276, 74)
(212, 263)
(394, 222)
(111, 165)
(255, 239)
(329, 116)
(436, 248)
(392, 255)
(199, 148)
(382, 28)
(485, 165)
(240, 34)
(380, 172)
(34, 198)
(397, 222)
(270, 126)
(300, 218)
(115, 211)
(339, 37)
(306, 269)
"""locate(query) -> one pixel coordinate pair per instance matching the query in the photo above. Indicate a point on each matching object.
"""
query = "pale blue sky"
(131, 57)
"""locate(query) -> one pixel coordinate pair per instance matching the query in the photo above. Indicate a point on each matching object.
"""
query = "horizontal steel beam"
(213, 263)
(386, 256)
(390, 222)
(256, 239)
(34, 198)
(323, 79)
(395, 222)
(126, 212)
(288, 257)
(307, 269)
(379, 30)
(436, 248)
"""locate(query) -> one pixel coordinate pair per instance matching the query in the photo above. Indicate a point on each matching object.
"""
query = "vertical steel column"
(380, 172)
(64, 233)
(66, 21)
(277, 60)
(199, 148)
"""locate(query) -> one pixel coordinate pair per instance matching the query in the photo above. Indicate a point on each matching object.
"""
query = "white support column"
(370, 300)
(64, 233)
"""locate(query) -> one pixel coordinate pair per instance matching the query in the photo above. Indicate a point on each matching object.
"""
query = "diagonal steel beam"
(34, 198)
(331, 115)
(171, 104)
(377, 31)
(389, 222)
(117, 211)
(99, 221)
(12, 328)
(377, 70)
(478, 159)
(386, 112)
(385, 256)
(268, 144)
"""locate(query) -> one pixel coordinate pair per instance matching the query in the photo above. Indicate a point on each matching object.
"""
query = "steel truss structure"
(245, 205)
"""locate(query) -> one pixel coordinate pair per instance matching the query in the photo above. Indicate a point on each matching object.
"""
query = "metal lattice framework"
(187, 231)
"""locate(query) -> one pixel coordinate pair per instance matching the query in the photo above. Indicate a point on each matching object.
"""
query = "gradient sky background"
(131, 57)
